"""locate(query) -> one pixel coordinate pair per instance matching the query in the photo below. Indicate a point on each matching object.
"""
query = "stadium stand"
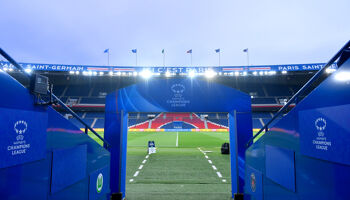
(263, 96)
(164, 120)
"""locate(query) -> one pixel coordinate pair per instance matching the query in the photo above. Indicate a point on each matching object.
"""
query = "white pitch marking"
(140, 166)
(210, 161)
(213, 166)
(206, 157)
(147, 156)
(136, 173)
(177, 139)
(131, 180)
(219, 174)
(144, 161)
(224, 180)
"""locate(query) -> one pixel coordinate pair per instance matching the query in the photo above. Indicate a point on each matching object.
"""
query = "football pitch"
(187, 165)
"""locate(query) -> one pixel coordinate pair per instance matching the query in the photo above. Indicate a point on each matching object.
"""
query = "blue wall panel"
(280, 166)
(68, 167)
(254, 187)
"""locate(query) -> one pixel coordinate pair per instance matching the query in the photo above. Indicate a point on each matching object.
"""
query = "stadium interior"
(73, 140)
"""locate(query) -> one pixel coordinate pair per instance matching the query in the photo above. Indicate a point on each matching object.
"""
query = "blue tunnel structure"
(43, 155)
(177, 95)
(306, 154)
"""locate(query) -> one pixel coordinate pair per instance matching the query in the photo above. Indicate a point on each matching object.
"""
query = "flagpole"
(248, 57)
(108, 58)
(164, 59)
(136, 57)
(191, 59)
(219, 57)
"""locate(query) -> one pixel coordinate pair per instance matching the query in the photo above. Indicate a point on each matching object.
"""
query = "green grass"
(177, 172)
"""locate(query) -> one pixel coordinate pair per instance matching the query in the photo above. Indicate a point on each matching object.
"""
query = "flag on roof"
(106, 51)
(245, 50)
(163, 51)
(189, 51)
(217, 50)
(134, 50)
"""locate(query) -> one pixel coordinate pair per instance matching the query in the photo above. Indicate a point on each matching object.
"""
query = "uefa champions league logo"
(20, 127)
(320, 124)
(178, 88)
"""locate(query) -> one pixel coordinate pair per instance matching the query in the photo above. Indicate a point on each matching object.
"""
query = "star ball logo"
(252, 182)
(320, 124)
(20, 127)
(99, 183)
(178, 88)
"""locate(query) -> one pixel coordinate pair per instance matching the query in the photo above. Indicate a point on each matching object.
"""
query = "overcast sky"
(78, 31)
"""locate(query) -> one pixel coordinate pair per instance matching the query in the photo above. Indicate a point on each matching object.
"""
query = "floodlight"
(71, 72)
(10, 69)
(119, 73)
(135, 73)
(28, 70)
(272, 72)
(5, 69)
(167, 74)
(146, 73)
(101, 73)
(330, 70)
(94, 73)
(89, 73)
(284, 72)
(244, 73)
(191, 74)
(261, 73)
(342, 76)
(210, 73)
(77, 72)
(110, 73)
(236, 73)
(255, 73)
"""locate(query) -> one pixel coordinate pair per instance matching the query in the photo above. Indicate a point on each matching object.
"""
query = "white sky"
(78, 31)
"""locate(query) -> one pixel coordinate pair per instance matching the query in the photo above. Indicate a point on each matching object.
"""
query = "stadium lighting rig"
(330, 70)
(342, 76)
(146, 74)
(191, 74)
(210, 73)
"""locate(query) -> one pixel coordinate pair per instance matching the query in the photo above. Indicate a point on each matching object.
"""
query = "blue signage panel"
(325, 133)
(99, 183)
(22, 136)
(182, 95)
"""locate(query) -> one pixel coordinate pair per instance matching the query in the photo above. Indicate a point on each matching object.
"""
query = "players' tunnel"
(177, 95)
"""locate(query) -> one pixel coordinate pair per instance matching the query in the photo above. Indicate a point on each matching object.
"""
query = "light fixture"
(28, 70)
(146, 73)
(191, 74)
(210, 73)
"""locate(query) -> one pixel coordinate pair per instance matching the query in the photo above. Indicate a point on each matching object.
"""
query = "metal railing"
(87, 127)
(301, 91)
